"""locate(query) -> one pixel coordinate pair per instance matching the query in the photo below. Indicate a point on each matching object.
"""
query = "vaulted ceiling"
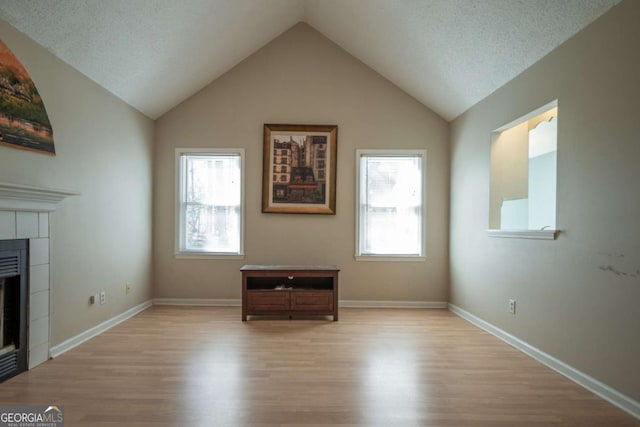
(448, 54)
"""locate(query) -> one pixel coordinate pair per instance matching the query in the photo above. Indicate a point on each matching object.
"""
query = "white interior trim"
(198, 302)
(551, 105)
(422, 154)
(612, 396)
(179, 193)
(206, 255)
(209, 302)
(391, 304)
(525, 234)
(390, 258)
(16, 197)
(73, 342)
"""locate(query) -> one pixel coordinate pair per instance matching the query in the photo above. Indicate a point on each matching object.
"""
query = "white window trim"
(388, 257)
(546, 234)
(181, 254)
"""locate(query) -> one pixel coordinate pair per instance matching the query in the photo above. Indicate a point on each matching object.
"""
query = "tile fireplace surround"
(24, 214)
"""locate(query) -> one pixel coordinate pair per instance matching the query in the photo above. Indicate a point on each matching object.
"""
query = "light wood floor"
(202, 366)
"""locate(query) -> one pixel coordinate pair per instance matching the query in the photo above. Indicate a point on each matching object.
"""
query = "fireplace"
(13, 307)
(24, 229)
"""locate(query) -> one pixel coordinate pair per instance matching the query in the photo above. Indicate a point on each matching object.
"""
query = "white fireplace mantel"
(24, 214)
(28, 198)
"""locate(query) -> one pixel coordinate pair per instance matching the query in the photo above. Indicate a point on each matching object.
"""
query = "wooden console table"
(289, 290)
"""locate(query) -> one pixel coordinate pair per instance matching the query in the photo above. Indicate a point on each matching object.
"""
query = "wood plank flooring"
(202, 366)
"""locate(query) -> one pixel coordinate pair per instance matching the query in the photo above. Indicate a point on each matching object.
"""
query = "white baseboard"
(206, 302)
(73, 342)
(203, 302)
(391, 304)
(609, 394)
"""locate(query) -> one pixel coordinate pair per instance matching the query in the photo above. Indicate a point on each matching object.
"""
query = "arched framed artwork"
(24, 122)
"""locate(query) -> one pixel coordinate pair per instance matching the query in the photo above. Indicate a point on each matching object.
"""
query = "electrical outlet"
(127, 288)
(103, 297)
(512, 306)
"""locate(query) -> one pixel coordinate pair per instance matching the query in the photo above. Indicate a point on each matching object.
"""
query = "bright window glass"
(390, 203)
(210, 202)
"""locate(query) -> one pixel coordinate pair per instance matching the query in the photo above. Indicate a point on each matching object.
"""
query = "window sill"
(390, 258)
(525, 234)
(207, 255)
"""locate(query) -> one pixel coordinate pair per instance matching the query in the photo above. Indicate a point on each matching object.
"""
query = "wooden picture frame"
(299, 169)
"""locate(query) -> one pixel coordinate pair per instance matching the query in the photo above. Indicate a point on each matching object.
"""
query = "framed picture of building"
(299, 169)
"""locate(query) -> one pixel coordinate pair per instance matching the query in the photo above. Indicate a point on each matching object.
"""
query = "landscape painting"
(24, 122)
(299, 169)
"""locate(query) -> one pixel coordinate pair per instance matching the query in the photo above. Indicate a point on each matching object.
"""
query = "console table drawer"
(309, 301)
(267, 301)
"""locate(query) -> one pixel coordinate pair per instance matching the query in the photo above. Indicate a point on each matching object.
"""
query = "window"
(390, 213)
(209, 204)
(523, 176)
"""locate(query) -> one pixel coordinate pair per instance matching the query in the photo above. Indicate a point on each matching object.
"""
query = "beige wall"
(577, 297)
(101, 239)
(302, 77)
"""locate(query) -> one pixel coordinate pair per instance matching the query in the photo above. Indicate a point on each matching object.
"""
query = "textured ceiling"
(448, 54)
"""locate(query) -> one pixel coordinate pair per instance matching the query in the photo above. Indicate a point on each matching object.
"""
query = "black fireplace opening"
(13, 307)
